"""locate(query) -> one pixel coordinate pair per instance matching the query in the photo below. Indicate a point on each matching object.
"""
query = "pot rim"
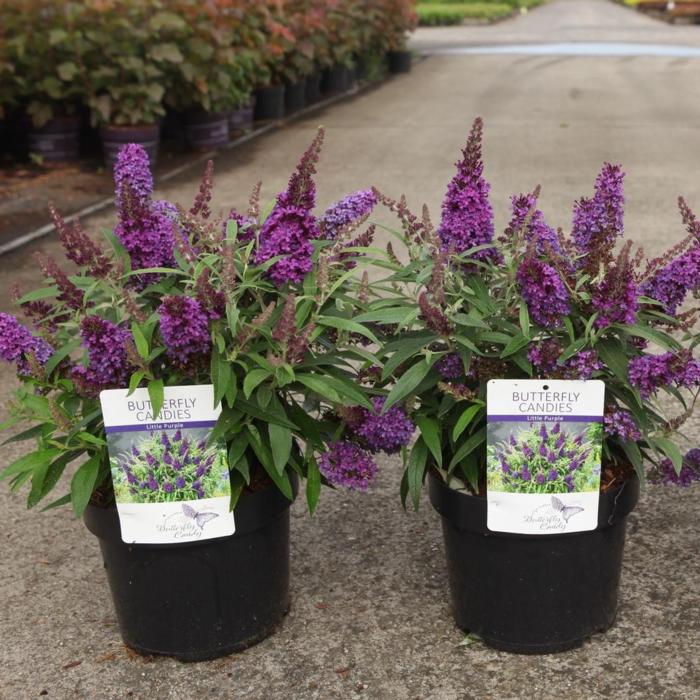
(252, 512)
(468, 512)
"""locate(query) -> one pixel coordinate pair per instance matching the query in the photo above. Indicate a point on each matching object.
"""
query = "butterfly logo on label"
(566, 512)
(201, 518)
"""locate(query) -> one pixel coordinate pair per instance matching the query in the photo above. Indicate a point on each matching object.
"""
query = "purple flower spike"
(450, 366)
(598, 221)
(538, 232)
(543, 432)
(551, 456)
(540, 478)
(544, 292)
(543, 450)
(178, 435)
(555, 430)
(467, 217)
(180, 482)
(560, 441)
(347, 464)
(387, 432)
(108, 366)
(16, 342)
(168, 487)
(526, 475)
(528, 452)
(347, 212)
(152, 483)
(165, 440)
(512, 441)
(553, 475)
(184, 326)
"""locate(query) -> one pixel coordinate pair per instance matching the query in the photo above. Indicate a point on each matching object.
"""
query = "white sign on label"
(544, 443)
(170, 486)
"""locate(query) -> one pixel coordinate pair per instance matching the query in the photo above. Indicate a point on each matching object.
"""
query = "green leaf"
(281, 445)
(320, 386)
(662, 339)
(38, 294)
(670, 449)
(465, 419)
(345, 324)
(468, 447)
(416, 470)
(524, 319)
(60, 355)
(635, 456)
(517, 343)
(156, 393)
(313, 485)
(140, 340)
(134, 381)
(30, 462)
(572, 349)
(221, 376)
(262, 453)
(28, 434)
(252, 380)
(408, 382)
(614, 357)
(83, 484)
(267, 417)
(430, 432)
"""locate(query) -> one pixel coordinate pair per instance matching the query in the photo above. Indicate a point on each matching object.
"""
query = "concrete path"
(370, 616)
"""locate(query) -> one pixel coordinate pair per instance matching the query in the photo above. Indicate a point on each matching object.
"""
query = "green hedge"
(441, 14)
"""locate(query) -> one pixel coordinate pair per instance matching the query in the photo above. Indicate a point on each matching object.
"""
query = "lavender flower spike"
(346, 212)
(467, 217)
(597, 222)
(347, 464)
(184, 326)
(387, 432)
(16, 342)
(133, 167)
(544, 292)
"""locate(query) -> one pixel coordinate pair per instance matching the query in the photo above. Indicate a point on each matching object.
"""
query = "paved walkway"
(370, 616)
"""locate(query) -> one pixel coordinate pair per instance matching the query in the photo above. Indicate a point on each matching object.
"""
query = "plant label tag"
(543, 455)
(170, 486)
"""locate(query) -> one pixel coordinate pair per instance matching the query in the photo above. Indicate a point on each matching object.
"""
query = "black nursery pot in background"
(294, 97)
(114, 137)
(56, 141)
(240, 120)
(269, 103)
(532, 594)
(201, 600)
(205, 131)
(399, 61)
(313, 88)
(336, 79)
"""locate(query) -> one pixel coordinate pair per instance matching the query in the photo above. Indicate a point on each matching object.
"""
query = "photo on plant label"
(167, 465)
(543, 457)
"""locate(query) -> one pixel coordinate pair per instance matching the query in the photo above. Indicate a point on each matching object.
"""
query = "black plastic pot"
(201, 600)
(532, 594)
(114, 137)
(399, 61)
(56, 141)
(313, 88)
(294, 97)
(335, 80)
(240, 120)
(205, 131)
(269, 103)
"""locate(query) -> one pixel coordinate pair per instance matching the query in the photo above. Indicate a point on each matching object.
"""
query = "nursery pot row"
(204, 599)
